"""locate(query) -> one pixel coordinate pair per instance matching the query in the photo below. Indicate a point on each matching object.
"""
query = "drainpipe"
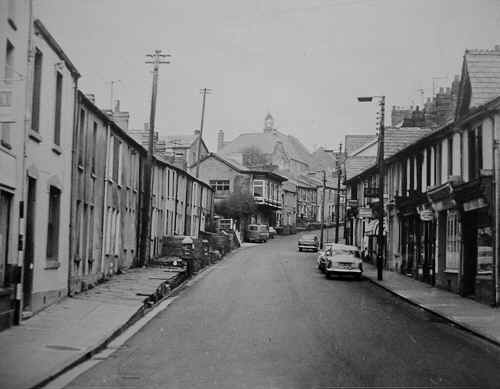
(496, 184)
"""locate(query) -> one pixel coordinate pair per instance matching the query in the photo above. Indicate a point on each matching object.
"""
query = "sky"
(304, 61)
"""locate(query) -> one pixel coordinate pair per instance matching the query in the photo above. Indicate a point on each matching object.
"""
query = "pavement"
(267, 318)
(71, 330)
(477, 318)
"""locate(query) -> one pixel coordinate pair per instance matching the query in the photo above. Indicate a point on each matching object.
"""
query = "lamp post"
(381, 172)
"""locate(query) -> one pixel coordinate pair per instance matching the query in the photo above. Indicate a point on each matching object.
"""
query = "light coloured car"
(323, 258)
(342, 260)
(308, 242)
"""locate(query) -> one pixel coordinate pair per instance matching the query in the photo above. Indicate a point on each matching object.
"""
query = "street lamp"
(322, 207)
(380, 238)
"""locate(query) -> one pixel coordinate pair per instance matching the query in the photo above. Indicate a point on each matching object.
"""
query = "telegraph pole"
(156, 59)
(337, 203)
(323, 210)
(381, 172)
(204, 93)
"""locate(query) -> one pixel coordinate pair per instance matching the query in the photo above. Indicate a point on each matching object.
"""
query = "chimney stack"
(117, 106)
(220, 140)
(146, 126)
(91, 97)
(196, 132)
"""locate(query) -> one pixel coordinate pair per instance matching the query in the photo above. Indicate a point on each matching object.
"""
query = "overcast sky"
(305, 61)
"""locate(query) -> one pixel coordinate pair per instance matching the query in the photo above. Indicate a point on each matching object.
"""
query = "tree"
(240, 204)
(254, 157)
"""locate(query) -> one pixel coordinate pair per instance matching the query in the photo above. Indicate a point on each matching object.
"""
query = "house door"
(5, 201)
(429, 236)
(28, 264)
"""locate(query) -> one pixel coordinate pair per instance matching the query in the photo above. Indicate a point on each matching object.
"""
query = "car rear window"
(252, 228)
(339, 251)
(308, 237)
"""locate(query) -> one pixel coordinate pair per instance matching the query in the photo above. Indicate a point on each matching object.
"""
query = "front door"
(28, 264)
(5, 200)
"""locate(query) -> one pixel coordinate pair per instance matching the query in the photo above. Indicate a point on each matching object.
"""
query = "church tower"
(268, 123)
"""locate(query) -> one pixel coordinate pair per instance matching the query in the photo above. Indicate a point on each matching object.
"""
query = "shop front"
(418, 231)
(475, 201)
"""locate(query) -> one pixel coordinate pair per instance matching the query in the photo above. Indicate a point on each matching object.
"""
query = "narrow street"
(265, 317)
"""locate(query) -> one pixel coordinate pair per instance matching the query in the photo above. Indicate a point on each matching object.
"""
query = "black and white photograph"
(249, 194)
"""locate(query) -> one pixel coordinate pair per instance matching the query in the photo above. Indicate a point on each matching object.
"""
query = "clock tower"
(268, 123)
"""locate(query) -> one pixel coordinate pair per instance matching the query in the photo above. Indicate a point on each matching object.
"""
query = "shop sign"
(475, 204)
(352, 203)
(426, 214)
(365, 213)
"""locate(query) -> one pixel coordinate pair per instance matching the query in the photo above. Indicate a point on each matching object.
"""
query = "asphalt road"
(264, 317)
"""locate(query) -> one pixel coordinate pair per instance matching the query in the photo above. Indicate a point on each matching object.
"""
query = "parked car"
(341, 260)
(257, 233)
(272, 232)
(308, 242)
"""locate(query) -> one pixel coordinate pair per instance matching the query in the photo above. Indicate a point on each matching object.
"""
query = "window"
(5, 128)
(120, 164)
(5, 207)
(37, 85)
(438, 163)
(81, 138)
(57, 120)
(116, 159)
(428, 168)
(475, 139)
(453, 240)
(94, 145)
(53, 225)
(258, 188)
(9, 61)
(450, 156)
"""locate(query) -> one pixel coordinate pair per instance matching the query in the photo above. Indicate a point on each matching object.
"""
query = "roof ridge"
(482, 51)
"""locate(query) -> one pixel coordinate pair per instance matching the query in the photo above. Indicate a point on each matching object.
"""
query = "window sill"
(35, 136)
(52, 264)
(57, 149)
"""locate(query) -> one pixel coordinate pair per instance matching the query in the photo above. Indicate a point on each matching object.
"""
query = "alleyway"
(266, 318)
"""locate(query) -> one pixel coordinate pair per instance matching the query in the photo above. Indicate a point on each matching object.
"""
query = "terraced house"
(440, 192)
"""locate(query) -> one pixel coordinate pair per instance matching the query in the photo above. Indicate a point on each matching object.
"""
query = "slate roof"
(354, 142)
(266, 141)
(180, 140)
(395, 140)
(323, 159)
(483, 69)
(356, 165)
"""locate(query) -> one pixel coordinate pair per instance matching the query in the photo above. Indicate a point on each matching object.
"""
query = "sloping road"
(266, 318)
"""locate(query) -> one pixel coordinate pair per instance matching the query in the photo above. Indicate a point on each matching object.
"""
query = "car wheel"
(300, 248)
(328, 275)
(359, 277)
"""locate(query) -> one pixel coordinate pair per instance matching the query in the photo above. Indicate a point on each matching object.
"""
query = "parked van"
(257, 233)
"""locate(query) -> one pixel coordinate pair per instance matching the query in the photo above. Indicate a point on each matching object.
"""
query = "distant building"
(284, 151)
(182, 149)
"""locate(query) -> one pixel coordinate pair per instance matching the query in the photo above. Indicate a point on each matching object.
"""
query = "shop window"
(453, 241)
(484, 251)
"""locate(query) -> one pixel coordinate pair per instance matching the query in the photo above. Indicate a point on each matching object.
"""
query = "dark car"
(308, 242)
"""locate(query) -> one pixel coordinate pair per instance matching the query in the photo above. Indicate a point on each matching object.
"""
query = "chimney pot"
(117, 106)
(146, 126)
(196, 132)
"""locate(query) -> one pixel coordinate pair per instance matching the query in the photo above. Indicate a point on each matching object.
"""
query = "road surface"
(264, 317)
